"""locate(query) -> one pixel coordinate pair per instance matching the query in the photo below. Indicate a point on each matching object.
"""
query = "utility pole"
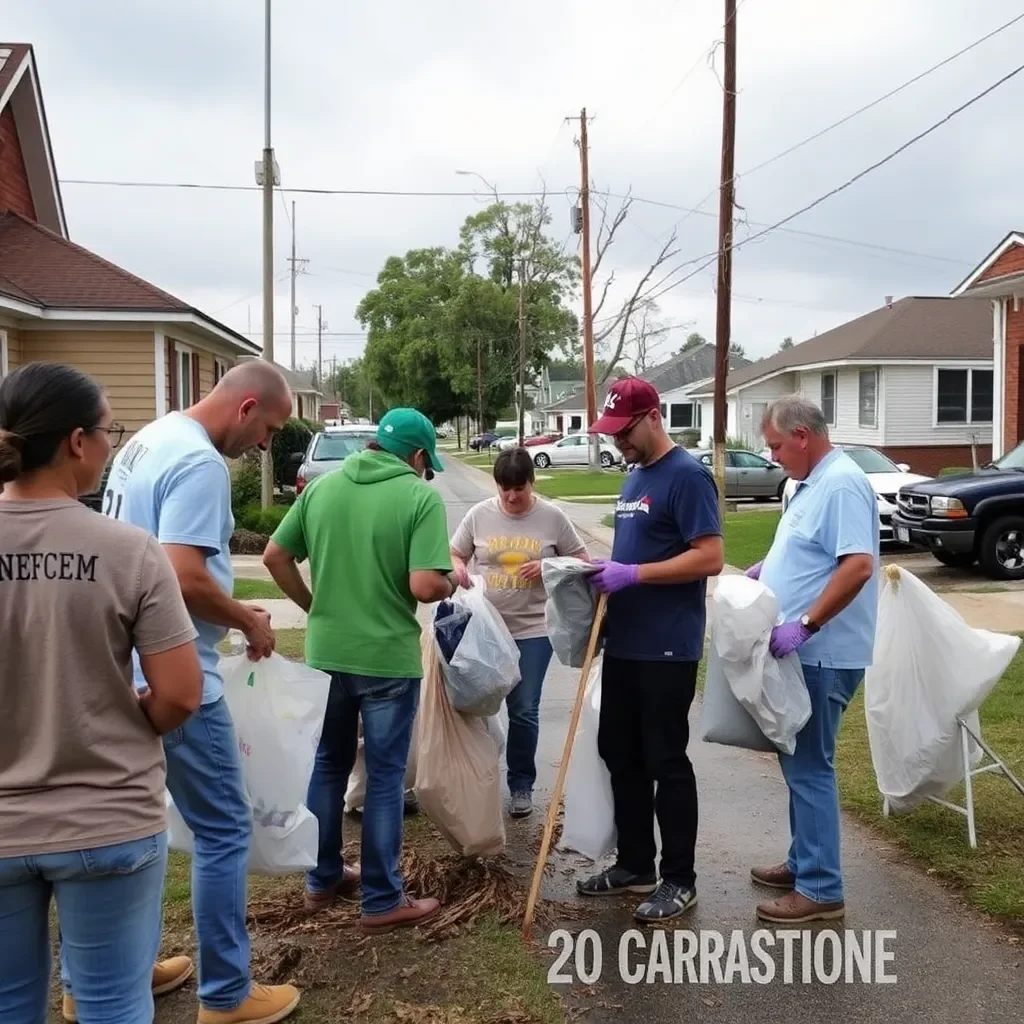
(588, 318)
(295, 270)
(320, 344)
(479, 386)
(723, 321)
(267, 177)
(522, 349)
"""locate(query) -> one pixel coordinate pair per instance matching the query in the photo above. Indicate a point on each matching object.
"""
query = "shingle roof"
(685, 368)
(39, 266)
(917, 327)
(298, 380)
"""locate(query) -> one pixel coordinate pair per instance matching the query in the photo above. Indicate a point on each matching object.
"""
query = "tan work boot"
(407, 914)
(168, 975)
(777, 877)
(794, 908)
(267, 1004)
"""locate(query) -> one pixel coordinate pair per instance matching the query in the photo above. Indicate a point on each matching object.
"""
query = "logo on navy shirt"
(627, 509)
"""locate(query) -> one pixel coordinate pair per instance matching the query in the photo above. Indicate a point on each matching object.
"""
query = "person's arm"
(461, 548)
(194, 508)
(706, 557)
(567, 544)
(431, 575)
(164, 636)
(852, 573)
(287, 547)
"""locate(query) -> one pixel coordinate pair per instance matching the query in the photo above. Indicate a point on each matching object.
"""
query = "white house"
(912, 378)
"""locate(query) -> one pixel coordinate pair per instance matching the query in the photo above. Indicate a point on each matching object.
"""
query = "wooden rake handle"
(556, 795)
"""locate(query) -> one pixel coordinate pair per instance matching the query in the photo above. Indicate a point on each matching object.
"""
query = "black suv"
(968, 518)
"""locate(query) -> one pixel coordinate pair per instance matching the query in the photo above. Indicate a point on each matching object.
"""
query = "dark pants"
(642, 738)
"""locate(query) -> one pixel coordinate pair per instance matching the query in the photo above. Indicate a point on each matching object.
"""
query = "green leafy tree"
(786, 343)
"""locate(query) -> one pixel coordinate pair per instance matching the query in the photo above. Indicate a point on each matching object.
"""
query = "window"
(828, 397)
(867, 398)
(681, 415)
(664, 410)
(575, 423)
(183, 367)
(571, 442)
(963, 396)
(220, 367)
(185, 396)
(5, 365)
(748, 460)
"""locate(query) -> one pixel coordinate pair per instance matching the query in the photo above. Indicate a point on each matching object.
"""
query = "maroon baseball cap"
(627, 399)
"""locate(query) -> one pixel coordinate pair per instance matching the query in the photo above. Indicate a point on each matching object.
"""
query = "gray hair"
(794, 411)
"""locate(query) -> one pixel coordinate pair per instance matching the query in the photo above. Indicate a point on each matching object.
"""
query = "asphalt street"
(945, 961)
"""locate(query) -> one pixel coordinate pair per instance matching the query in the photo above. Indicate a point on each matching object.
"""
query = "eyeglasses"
(626, 431)
(115, 431)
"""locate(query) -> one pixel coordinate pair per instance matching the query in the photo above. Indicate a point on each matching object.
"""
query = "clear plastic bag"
(772, 691)
(570, 608)
(277, 707)
(929, 668)
(589, 822)
(484, 667)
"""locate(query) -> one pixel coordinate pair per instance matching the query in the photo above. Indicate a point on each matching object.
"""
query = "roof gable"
(1005, 260)
(20, 94)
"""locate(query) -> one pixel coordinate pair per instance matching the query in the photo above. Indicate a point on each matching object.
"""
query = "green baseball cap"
(404, 431)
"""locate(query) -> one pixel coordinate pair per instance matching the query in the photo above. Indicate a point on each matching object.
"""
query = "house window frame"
(970, 369)
(181, 350)
(5, 354)
(672, 406)
(835, 396)
(220, 367)
(873, 423)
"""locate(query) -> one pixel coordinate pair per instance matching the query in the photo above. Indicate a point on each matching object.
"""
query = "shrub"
(260, 520)
(246, 485)
(293, 437)
(245, 542)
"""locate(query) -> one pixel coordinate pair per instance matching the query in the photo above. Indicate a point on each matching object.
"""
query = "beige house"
(61, 303)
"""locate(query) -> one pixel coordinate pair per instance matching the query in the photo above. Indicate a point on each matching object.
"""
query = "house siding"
(910, 413)
(1011, 262)
(14, 348)
(15, 191)
(122, 361)
(933, 459)
(205, 373)
(1012, 425)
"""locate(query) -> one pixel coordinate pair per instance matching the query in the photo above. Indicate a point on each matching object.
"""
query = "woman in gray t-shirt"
(508, 536)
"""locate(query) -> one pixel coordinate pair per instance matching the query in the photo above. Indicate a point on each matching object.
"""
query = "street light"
(474, 174)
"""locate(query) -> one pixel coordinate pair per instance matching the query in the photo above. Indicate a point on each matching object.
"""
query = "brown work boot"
(347, 887)
(407, 914)
(794, 908)
(777, 877)
(267, 1004)
(168, 975)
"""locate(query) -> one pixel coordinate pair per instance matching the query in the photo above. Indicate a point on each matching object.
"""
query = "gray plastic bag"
(723, 719)
(570, 609)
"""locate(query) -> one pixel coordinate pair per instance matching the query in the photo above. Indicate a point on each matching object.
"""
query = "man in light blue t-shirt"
(171, 479)
(823, 568)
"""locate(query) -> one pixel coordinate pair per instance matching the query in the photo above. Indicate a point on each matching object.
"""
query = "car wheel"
(541, 461)
(606, 460)
(1002, 549)
(955, 560)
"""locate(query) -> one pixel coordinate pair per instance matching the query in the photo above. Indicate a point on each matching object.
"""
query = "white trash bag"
(771, 690)
(483, 668)
(930, 668)
(570, 608)
(277, 707)
(589, 823)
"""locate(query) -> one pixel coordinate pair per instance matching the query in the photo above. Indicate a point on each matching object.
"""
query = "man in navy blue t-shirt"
(668, 541)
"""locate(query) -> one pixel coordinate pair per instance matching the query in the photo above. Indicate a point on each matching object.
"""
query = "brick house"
(913, 378)
(999, 278)
(59, 302)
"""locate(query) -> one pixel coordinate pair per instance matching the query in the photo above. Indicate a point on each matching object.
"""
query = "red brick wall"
(1012, 424)
(1011, 262)
(15, 193)
(929, 461)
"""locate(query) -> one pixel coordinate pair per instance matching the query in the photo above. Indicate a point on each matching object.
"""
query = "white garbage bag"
(277, 707)
(479, 659)
(929, 668)
(771, 690)
(589, 821)
(355, 793)
(723, 719)
(570, 608)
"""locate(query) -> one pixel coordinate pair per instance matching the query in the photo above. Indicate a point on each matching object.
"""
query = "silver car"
(747, 475)
(328, 450)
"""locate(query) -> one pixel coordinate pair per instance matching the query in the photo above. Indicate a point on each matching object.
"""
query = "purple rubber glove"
(787, 638)
(613, 576)
(754, 572)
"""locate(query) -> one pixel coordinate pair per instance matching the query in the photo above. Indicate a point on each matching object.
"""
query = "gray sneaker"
(668, 900)
(522, 805)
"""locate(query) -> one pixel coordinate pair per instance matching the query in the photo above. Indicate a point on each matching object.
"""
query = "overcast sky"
(399, 95)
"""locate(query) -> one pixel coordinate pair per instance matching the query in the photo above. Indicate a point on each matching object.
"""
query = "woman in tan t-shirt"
(81, 762)
(509, 536)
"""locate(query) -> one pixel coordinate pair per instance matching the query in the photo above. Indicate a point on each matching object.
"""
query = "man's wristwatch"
(811, 627)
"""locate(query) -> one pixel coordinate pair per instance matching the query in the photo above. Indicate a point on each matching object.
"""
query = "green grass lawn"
(579, 483)
(748, 536)
(256, 590)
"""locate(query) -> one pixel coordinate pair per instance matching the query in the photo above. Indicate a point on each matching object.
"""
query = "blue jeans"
(814, 855)
(523, 705)
(388, 708)
(108, 901)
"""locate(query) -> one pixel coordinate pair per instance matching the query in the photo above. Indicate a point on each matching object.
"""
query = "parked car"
(886, 478)
(969, 517)
(574, 450)
(485, 440)
(528, 442)
(328, 449)
(747, 475)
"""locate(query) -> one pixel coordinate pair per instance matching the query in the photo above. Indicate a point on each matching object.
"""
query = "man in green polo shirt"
(376, 537)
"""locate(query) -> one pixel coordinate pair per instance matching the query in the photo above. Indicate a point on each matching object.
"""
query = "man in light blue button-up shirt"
(823, 568)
